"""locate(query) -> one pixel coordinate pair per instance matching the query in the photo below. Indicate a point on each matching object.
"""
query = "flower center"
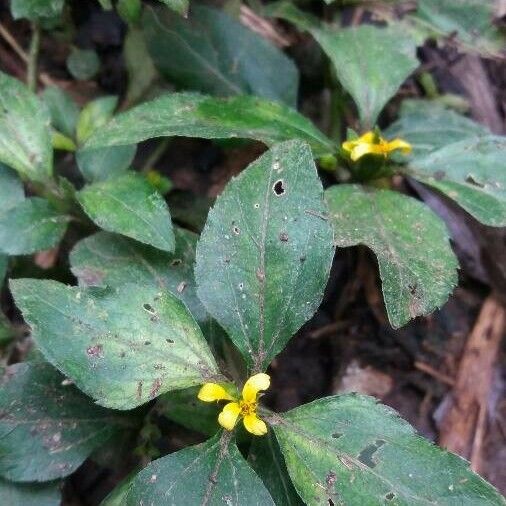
(248, 408)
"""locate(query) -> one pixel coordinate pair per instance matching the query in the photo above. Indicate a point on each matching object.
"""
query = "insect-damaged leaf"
(212, 474)
(216, 54)
(25, 140)
(471, 172)
(105, 259)
(121, 346)
(371, 64)
(129, 205)
(416, 263)
(264, 256)
(30, 494)
(194, 115)
(47, 429)
(351, 450)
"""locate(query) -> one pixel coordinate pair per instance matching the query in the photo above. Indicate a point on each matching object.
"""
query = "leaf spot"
(283, 237)
(95, 351)
(278, 188)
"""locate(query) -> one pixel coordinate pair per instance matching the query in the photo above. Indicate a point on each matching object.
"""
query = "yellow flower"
(372, 143)
(246, 407)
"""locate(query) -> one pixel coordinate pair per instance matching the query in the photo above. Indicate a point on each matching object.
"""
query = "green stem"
(156, 155)
(33, 55)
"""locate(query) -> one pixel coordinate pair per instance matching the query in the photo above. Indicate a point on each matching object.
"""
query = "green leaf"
(34, 9)
(140, 67)
(211, 474)
(264, 256)
(11, 189)
(416, 263)
(213, 53)
(105, 259)
(350, 450)
(123, 346)
(183, 407)
(129, 205)
(193, 115)
(429, 125)
(466, 22)
(25, 138)
(267, 461)
(179, 6)
(371, 63)
(130, 11)
(48, 429)
(94, 116)
(63, 110)
(31, 226)
(118, 495)
(471, 172)
(29, 494)
(83, 64)
(103, 164)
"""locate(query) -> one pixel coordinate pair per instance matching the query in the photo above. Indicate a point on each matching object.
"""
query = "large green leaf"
(34, 9)
(210, 474)
(266, 459)
(25, 140)
(350, 450)
(213, 53)
(264, 256)
(471, 172)
(105, 259)
(29, 494)
(467, 22)
(130, 206)
(371, 63)
(47, 429)
(121, 346)
(30, 226)
(416, 263)
(194, 115)
(429, 125)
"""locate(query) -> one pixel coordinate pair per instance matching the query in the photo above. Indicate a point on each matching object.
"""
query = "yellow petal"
(368, 138)
(213, 392)
(349, 145)
(399, 144)
(365, 149)
(254, 384)
(254, 425)
(228, 416)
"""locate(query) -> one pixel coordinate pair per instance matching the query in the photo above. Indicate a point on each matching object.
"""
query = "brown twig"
(426, 368)
(463, 425)
(44, 78)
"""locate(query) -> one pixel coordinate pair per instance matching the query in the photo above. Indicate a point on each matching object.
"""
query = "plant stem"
(33, 55)
(155, 156)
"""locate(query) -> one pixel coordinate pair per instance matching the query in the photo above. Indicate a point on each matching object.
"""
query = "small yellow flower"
(246, 407)
(372, 143)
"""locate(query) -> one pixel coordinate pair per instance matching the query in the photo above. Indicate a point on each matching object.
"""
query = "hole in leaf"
(470, 179)
(331, 502)
(175, 262)
(278, 188)
(337, 435)
(148, 308)
(170, 341)
(236, 230)
(390, 496)
(366, 455)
